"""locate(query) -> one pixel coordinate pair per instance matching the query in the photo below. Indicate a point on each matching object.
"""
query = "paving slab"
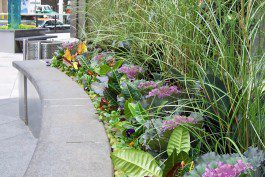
(15, 154)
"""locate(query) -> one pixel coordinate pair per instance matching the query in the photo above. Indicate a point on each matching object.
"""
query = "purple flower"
(71, 46)
(129, 132)
(163, 92)
(99, 56)
(130, 71)
(176, 121)
(240, 166)
(48, 63)
(227, 170)
(147, 85)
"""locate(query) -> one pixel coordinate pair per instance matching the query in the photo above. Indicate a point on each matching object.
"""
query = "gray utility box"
(42, 49)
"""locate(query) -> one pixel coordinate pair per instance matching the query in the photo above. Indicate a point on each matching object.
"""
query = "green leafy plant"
(136, 163)
(179, 140)
(140, 163)
(175, 162)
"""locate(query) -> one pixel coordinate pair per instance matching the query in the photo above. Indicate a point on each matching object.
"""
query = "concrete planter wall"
(7, 38)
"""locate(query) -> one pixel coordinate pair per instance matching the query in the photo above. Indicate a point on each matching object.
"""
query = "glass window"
(49, 23)
(40, 23)
(47, 8)
(59, 23)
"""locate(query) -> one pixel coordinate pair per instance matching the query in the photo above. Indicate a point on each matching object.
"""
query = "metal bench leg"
(39, 50)
(25, 49)
(25, 99)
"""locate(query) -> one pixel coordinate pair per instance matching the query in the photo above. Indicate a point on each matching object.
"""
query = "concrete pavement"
(17, 144)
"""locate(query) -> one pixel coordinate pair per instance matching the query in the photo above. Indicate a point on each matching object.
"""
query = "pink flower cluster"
(163, 92)
(176, 121)
(227, 170)
(147, 85)
(68, 45)
(131, 71)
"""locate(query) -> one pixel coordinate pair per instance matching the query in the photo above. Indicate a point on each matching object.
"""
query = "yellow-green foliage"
(21, 26)
(147, 21)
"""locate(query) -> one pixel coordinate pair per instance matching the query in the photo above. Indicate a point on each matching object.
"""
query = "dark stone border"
(72, 141)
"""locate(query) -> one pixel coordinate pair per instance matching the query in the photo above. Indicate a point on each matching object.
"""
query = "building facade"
(3, 6)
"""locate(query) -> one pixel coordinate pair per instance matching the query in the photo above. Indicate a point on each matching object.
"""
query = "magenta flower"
(163, 92)
(227, 170)
(147, 85)
(176, 121)
(131, 71)
(71, 46)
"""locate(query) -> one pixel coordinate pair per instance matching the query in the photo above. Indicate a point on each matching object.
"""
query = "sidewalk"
(16, 141)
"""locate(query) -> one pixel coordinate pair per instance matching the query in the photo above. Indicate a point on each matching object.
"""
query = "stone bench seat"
(72, 142)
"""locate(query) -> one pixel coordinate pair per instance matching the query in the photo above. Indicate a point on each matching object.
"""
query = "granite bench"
(72, 142)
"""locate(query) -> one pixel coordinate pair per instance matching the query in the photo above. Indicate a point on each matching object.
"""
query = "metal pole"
(60, 9)
(36, 17)
(25, 95)
(39, 50)
(25, 100)
(25, 49)
(55, 23)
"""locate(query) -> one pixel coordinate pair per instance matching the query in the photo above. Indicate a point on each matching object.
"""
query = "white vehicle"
(44, 9)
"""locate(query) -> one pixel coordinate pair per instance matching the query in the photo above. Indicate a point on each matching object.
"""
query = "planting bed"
(153, 129)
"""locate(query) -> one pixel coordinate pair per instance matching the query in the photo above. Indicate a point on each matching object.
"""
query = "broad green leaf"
(136, 163)
(104, 69)
(127, 111)
(173, 162)
(97, 70)
(179, 140)
(216, 92)
(111, 96)
(137, 109)
(117, 64)
(138, 112)
(131, 92)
